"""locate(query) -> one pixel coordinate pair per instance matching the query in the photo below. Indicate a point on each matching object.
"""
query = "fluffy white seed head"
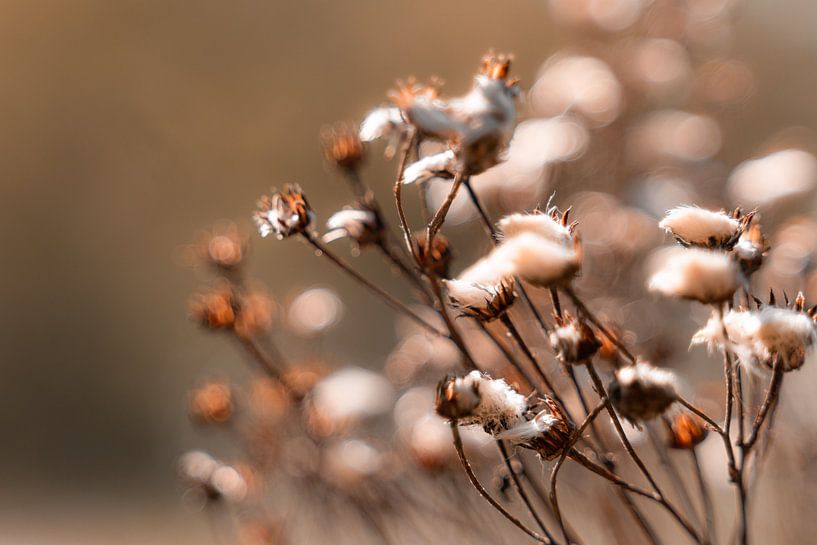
(537, 223)
(482, 301)
(760, 337)
(642, 391)
(700, 275)
(440, 164)
(696, 226)
(477, 399)
(381, 123)
(540, 261)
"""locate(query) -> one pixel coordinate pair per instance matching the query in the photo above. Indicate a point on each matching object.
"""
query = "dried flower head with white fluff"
(547, 431)
(552, 226)
(640, 392)
(362, 225)
(694, 226)
(477, 125)
(283, 213)
(700, 275)
(539, 261)
(212, 478)
(751, 249)
(484, 302)
(386, 123)
(573, 340)
(439, 165)
(761, 337)
(477, 399)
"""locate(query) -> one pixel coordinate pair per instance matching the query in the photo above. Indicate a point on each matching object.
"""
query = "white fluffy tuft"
(701, 275)
(699, 226)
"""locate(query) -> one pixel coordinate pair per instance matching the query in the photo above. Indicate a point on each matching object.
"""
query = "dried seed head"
(361, 224)
(476, 126)
(385, 122)
(215, 308)
(763, 336)
(342, 146)
(256, 312)
(439, 259)
(409, 91)
(573, 340)
(283, 213)
(641, 392)
(538, 223)
(211, 403)
(751, 249)
(540, 261)
(457, 398)
(694, 226)
(484, 302)
(224, 247)
(700, 275)
(439, 165)
(496, 67)
(547, 429)
(477, 399)
(688, 431)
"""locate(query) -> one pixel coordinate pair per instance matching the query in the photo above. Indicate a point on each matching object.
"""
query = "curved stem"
(521, 491)
(581, 307)
(439, 217)
(385, 296)
(455, 432)
(506, 321)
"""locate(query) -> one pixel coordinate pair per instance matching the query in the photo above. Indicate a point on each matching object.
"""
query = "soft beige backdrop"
(126, 125)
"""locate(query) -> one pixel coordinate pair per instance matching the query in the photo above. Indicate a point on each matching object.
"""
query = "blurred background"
(127, 126)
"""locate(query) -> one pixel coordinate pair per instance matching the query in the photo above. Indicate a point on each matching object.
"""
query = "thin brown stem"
(506, 321)
(520, 490)
(706, 498)
(385, 296)
(455, 432)
(554, 500)
(631, 451)
(514, 361)
(439, 217)
(582, 308)
(398, 195)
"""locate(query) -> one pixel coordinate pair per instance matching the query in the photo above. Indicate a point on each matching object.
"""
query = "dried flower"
(641, 391)
(751, 249)
(551, 226)
(688, 431)
(700, 275)
(540, 261)
(212, 403)
(342, 146)
(547, 431)
(573, 340)
(441, 165)
(385, 122)
(477, 125)
(485, 302)
(763, 336)
(361, 224)
(694, 226)
(477, 399)
(284, 213)
(439, 260)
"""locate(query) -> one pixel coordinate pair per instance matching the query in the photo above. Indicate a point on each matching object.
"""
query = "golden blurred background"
(128, 125)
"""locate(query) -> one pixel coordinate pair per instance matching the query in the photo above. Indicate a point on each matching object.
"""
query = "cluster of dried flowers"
(530, 382)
